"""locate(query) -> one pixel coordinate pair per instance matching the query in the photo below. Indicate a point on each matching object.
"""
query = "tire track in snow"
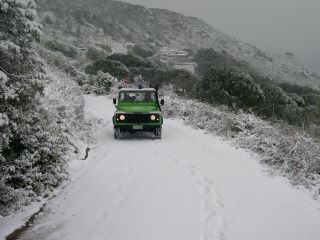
(211, 215)
(212, 218)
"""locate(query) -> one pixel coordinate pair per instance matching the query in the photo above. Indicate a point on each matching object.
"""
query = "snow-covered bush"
(287, 150)
(207, 59)
(59, 61)
(99, 84)
(67, 50)
(113, 67)
(34, 145)
(130, 60)
(49, 145)
(143, 51)
(311, 98)
(64, 99)
(230, 85)
(298, 99)
(94, 53)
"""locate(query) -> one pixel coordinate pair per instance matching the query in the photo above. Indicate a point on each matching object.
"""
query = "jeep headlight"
(153, 117)
(122, 117)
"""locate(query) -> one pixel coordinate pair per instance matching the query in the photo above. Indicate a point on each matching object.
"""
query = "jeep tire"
(158, 133)
(117, 133)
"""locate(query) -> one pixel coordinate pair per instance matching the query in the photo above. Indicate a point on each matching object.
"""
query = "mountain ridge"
(127, 23)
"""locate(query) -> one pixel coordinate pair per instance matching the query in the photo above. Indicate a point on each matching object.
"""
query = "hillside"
(119, 25)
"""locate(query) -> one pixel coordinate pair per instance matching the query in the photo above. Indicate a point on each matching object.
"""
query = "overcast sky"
(278, 26)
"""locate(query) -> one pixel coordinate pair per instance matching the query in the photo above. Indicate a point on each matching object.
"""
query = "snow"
(10, 223)
(8, 45)
(287, 151)
(4, 7)
(3, 119)
(189, 185)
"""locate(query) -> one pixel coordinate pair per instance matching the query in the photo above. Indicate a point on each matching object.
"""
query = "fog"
(276, 26)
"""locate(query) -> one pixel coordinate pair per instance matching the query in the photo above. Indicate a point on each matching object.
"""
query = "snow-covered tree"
(18, 30)
(31, 142)
(94, 53)
(230, 85)
(99, 84)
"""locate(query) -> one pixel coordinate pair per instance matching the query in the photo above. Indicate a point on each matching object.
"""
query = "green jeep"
(138, 110)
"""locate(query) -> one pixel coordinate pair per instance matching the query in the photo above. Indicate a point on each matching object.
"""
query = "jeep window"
(137, 97)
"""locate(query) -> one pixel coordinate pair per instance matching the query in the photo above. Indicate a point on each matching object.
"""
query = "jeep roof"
(137, 90)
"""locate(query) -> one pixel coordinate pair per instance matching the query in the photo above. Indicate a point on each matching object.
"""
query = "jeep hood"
(137, 108)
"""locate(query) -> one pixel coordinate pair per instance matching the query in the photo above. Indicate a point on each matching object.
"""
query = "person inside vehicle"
(126, 97)
(148, 97)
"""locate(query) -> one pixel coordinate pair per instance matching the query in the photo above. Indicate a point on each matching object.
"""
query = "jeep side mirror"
(161, 102)
(114, 101)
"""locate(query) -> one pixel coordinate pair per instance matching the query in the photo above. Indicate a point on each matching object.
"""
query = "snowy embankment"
(189, 185)
(62, 98)
(288, 151)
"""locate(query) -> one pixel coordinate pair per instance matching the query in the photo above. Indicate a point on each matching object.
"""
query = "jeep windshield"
(137, 96)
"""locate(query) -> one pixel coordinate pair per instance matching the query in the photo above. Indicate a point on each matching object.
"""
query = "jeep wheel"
(157, 133)
(117, 133)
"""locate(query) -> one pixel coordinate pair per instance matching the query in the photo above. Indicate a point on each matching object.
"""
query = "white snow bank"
(12, 222)
(62, 98)
(287, 150)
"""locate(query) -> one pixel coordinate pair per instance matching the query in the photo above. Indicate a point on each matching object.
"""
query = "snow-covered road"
(187, 186)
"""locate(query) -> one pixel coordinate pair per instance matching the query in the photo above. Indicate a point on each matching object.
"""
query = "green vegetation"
(119, 65)
(292, 88)
(207, 59)
(234, 83)
(96, 54)
(99, 84)
(142, 51)
(115, 68)
(122, 65)
(232, 86)
(131, 61)
(183, 81)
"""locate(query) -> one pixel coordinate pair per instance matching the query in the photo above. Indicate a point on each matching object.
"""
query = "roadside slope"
(187, 186)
